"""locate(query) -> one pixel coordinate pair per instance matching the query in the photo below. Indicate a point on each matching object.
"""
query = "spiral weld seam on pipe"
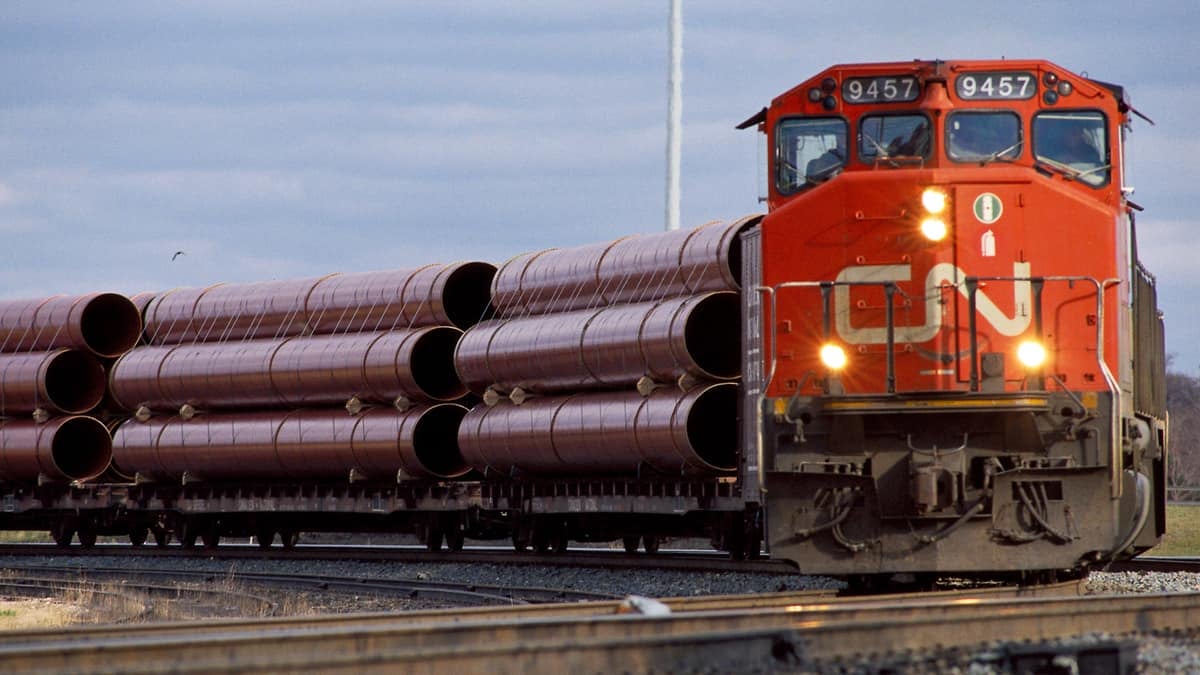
(630, 269)
(322, 369)
(437, 294)
(670, 432)
(105, 324)
(604, 348)
(68, 448)
(65, 380)
(297, 444)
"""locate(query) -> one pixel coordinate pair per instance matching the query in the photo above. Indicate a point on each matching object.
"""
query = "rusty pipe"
(105, 324)
(321, 369)
(302, 444)
(603, 348)
(62, 381)
(670, 432)
(70, 448)
(631, 269)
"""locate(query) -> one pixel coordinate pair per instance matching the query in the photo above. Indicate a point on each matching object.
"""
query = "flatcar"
(936, 353)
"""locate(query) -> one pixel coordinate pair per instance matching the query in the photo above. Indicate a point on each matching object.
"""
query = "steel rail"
(562, 611)
(685, 640)
(706, 561)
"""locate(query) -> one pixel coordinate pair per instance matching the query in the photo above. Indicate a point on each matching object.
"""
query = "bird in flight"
(177, 254)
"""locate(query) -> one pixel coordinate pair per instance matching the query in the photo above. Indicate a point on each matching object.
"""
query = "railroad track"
(704, 561)
(700, 633)
(456, 594)
(1156, 564)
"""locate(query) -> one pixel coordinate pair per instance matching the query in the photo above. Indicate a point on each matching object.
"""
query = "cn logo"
(942, 273)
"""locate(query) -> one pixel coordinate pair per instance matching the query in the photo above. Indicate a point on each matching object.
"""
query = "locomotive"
(937, 352)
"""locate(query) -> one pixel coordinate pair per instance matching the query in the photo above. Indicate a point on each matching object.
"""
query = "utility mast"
(674, 113)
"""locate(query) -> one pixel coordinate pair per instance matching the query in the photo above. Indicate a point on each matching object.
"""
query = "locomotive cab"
(952, 347)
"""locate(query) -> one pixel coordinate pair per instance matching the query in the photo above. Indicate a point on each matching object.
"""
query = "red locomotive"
(950, 360)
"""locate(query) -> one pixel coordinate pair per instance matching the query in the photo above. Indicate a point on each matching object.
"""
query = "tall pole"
(674, 113)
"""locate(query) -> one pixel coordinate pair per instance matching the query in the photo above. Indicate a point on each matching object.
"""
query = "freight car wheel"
(288, 539)
(433, 538)
(210, 538)
(651, 543)
(455, 538)
(62, 533)
(540, 541)
(631, 544)
(188, 535)
(87, 536)
(520, 543)
(161, 537)
(137, 535)
(265, 538)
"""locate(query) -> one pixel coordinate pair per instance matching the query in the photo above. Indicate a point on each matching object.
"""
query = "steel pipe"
(670, 432)
(322, 369)
(631, 269)
(62, 381)
(456, 294)
(380, 444)
(604, 348)
(105, 324)
(63, 449)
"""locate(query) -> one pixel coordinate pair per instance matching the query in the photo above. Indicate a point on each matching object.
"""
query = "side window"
(882, 137)
(808, 151)
(1075, 143)
(983, 136)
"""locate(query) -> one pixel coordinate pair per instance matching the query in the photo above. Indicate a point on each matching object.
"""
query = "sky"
(272, 140)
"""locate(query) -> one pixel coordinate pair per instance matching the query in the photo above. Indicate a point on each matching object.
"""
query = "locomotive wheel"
(265, 538)
(631, 544)
(161, 537)
(650, 543)
(62, 533)
(288, 539)
(138, 534)
(87, 536)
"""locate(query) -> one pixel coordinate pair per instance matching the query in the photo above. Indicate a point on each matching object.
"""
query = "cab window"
(809, 151)
(889, 137)
(983, 136)
(1074, 143)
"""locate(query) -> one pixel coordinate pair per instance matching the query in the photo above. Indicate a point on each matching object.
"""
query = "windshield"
(892, 136)
(809, 151)
(983, 136)
(1074, 142)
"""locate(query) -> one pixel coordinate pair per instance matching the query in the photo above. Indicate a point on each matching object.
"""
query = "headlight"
(934, 200)
(934, 229)
(1031, 354)
(833, 356)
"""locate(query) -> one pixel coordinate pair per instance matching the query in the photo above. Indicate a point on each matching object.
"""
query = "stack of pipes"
(52, 357)
(346, 375)
(612, 358)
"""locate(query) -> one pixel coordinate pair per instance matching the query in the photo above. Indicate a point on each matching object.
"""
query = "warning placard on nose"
(988, 208)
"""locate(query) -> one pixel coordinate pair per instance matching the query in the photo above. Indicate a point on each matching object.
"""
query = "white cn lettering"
(939, 274)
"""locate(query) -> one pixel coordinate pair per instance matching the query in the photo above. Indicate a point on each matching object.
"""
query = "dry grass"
(37, 613)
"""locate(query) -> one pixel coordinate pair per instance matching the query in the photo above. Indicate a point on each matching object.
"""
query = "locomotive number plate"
(1012, 85)
(880, 89)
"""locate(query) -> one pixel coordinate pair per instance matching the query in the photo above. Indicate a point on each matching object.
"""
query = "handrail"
(971, 284)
